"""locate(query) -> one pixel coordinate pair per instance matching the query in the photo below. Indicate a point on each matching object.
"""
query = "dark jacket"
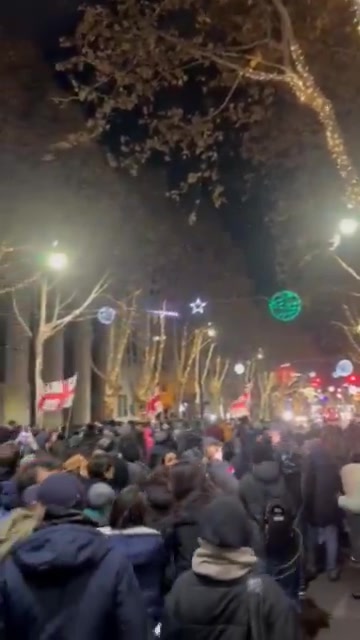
(145, 549)
(264, 483)
(321, 486)
(66, 582)
(138, 472)
(201, 608)
(182, 532)
(221, 474)
(9, 495)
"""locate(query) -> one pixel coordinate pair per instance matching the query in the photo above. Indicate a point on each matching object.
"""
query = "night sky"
(244, 219)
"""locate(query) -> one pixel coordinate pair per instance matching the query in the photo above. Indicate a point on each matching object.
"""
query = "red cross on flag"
(154, 405)
(57, 395)
(241, 406)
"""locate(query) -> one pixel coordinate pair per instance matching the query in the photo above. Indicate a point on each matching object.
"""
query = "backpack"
(278, 526)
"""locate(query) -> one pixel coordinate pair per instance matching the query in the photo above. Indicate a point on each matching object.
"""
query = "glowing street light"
(211, 331)
(260, 354)
(57, 261)
(348, 226)
(239, 368)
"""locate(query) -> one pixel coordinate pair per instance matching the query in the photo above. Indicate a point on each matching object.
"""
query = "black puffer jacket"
(200, 608)
(182, 531)
(264, 483)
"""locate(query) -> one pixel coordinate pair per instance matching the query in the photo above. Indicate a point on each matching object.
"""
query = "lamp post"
(210, 332)
(54, 261)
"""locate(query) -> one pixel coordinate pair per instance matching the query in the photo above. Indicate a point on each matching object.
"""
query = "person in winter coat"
(159, 498)
(321, 487)
(220, 472)
(223, 595)
(263, 483)
(144, 547)
(131, 453)
(350, 502)
(67, 581)
(192, 491)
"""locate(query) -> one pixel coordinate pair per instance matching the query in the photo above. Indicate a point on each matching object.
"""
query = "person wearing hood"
(261, 485)
(144, 547)
(221, 473)
(66, 580)
(223, 595)
(321, 488)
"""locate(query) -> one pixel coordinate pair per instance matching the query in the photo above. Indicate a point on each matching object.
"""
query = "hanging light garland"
(308, 92)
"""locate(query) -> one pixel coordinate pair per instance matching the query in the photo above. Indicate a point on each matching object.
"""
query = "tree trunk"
(38, 382)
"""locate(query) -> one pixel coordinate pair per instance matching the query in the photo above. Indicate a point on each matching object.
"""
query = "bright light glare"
(239, 369)
(287, 416)
(57, 261)
(348, 226)
(260, 354)
(211, 331)
(312, 374)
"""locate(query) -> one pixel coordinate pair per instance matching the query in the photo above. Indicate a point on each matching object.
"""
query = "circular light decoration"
(239, 369)
(344, 368)
(198, 307)
(285, 306)
(106, 315)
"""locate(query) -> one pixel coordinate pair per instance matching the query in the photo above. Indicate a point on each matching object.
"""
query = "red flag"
(58, 395)
(154, 405)
(241, 407)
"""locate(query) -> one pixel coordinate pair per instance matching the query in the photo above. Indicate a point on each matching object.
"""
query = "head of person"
(262, 452)
(213, 449)
(101, 467)
(9, 457)
(129, 448)
(224, 524)
(186, 478)
(36, 471)
(129, 509)
(100, 499)
(58, 492)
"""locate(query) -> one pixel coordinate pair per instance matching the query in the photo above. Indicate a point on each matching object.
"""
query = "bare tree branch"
(19, 317)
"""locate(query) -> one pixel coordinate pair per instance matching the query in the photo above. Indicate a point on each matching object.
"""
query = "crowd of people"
(132, 532)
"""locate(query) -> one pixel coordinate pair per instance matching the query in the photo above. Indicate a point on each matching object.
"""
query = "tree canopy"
(194, 75)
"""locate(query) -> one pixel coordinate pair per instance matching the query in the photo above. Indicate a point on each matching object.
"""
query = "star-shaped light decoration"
(198, 307)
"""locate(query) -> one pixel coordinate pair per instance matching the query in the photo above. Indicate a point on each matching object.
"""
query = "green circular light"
(285, 306)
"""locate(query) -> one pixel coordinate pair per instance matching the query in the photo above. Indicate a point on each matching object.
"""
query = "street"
(336, 598)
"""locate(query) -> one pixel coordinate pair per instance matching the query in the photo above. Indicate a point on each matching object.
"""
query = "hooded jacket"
(214, 600)
(221, 474)
(321, 486)
(66, 582)
(145, 549)
(17, 526)
(265, 482)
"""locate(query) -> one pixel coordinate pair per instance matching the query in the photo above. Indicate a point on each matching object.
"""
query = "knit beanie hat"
(100, 495)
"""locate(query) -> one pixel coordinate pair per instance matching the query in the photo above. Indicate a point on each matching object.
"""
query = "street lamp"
(348, 226)
(211, 331)
(239, 368)
(57, 261)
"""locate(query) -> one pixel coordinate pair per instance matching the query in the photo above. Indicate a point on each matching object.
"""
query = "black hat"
(224, 524)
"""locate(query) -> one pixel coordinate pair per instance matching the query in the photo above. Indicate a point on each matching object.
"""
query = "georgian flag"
(154, 405)
(57, 395)
(241, 406)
